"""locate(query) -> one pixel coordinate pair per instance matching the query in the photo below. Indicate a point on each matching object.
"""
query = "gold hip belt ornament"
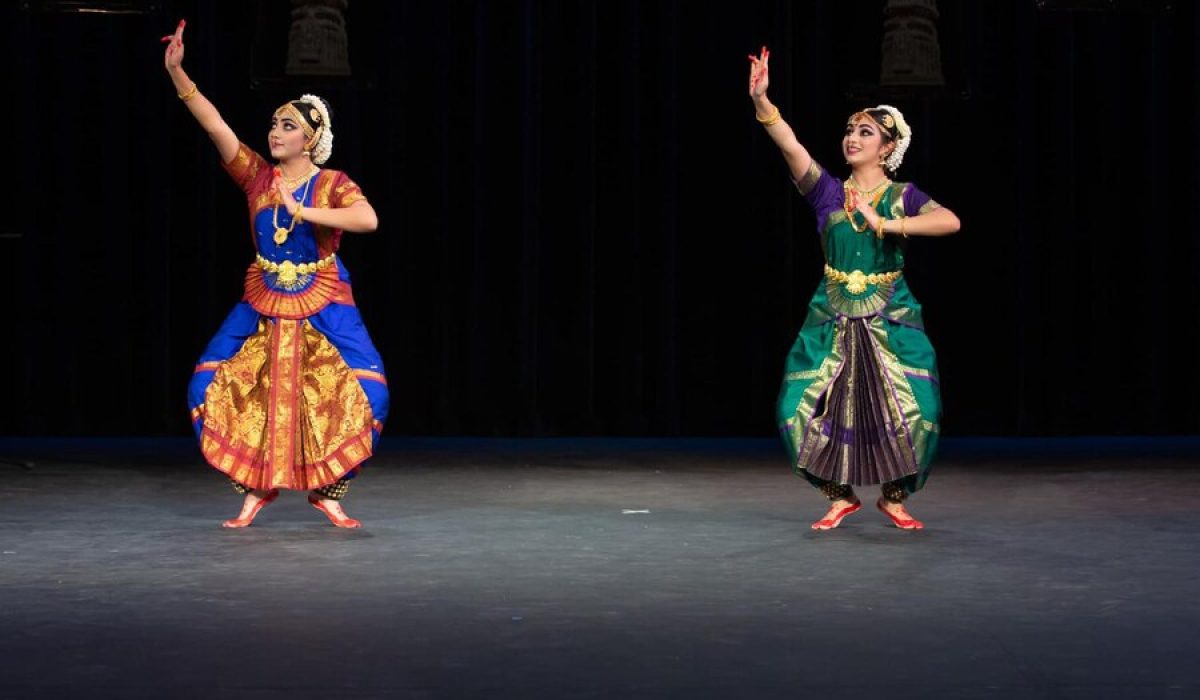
(856, 281)
(288, 270)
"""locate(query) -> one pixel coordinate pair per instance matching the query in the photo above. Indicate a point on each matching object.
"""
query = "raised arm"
(794, 153)
(203, 110)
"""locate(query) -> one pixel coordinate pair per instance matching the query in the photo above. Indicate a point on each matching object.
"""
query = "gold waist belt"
(856, 281)
(287, 270)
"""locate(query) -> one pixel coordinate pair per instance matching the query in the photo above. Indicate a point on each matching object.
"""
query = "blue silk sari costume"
(291, 392)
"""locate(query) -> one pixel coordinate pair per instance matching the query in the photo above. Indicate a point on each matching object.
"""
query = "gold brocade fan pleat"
(278, 303)
(859, 436)
(286, 411)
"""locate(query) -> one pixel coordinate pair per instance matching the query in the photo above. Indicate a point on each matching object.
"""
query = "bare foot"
(333, 510)
(899, 515)
(837, 510)
(255, 501)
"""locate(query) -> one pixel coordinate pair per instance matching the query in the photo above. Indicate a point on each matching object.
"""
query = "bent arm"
(357, 218)
(939, 222)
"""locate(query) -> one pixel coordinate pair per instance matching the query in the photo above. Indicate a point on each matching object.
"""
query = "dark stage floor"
(1056, 570)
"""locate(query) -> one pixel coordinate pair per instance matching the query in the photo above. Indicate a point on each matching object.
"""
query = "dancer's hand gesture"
(174, 54)
(759, 73)
(864, 207)
(286, 196)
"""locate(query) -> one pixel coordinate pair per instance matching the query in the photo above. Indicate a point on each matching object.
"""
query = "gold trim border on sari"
(286, 411)
(801, 428)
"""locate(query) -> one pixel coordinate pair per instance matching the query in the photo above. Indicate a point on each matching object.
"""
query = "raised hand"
(174, 54)
(206, 114)
(797, 157)
(759, 73)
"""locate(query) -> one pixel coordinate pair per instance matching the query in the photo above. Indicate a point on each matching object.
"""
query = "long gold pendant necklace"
(281, 233)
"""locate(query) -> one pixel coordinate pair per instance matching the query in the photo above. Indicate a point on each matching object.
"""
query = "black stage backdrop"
(583, 229)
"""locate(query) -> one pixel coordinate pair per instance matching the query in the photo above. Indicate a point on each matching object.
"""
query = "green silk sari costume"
(860, 402)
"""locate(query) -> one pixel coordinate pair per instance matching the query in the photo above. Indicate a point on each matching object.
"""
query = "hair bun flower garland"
(904, 138)
(323, 148)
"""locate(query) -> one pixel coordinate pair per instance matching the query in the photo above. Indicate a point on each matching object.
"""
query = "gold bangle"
(902, 220)
(185, 96)
(879, 228)
(300, 214)
(771, 120)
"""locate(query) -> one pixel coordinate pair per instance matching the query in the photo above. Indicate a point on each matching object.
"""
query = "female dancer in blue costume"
(291, 393)
(860, 403)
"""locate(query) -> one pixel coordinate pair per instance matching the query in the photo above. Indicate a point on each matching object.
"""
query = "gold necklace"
(281, 233)
(871, 192)
(294, 182)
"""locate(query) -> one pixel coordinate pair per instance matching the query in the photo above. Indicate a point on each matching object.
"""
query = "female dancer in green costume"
(860, 403)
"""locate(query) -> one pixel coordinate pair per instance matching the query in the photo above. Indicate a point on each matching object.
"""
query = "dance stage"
(602, 569)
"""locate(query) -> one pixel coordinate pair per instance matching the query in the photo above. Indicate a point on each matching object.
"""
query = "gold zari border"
(286, 411)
